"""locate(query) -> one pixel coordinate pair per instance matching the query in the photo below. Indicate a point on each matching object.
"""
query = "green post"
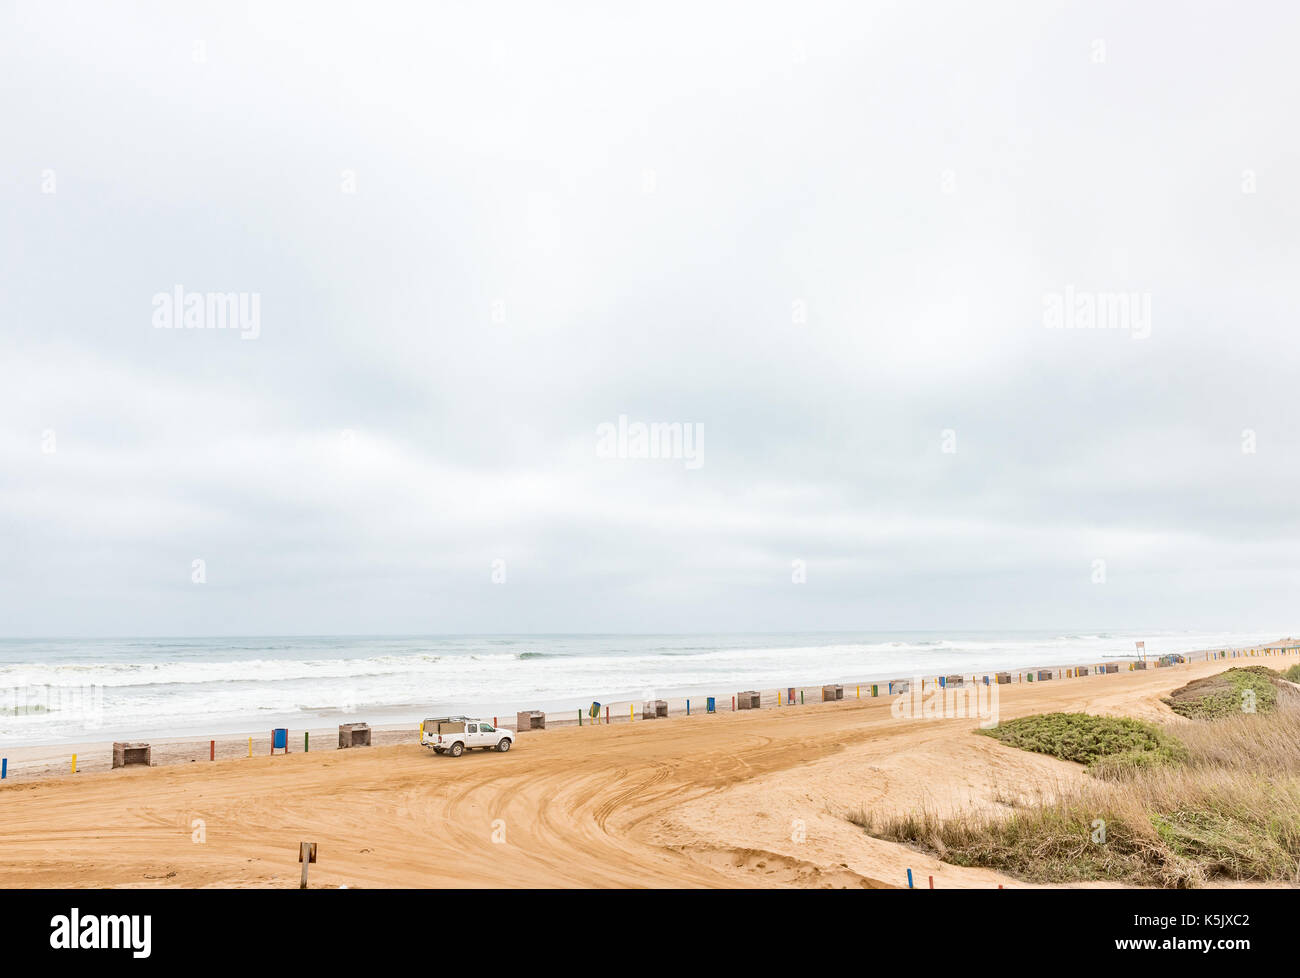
(801, 697)
(875, 690)
(305, 741)
(580, 718)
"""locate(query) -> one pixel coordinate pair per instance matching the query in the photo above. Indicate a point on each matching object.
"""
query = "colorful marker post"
(909, 879)
(74, 763)
(4, 768)
(212, 750)
(250, 746)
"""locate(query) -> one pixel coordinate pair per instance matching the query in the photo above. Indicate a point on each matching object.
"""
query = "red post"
(733, 704)
(494, 723)
(212, 750)
(607, 716)
(932, 882)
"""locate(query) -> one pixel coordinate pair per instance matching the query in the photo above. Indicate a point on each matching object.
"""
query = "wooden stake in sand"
(306, 856)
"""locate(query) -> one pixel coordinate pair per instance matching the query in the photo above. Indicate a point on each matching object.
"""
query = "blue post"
(909, 879)
(4, 768)
(688, 707)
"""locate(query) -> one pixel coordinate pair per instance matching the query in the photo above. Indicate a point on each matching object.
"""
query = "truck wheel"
(504, 745)
(457, 749)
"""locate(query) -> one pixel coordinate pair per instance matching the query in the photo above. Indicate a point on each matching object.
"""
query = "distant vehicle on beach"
(455, 735)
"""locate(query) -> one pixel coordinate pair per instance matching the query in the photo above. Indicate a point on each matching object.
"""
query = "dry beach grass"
(1223, 804)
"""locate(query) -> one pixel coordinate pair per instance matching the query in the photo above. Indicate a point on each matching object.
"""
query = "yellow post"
(250, 746)
(74, 763)
(859, 692)
(631, 713)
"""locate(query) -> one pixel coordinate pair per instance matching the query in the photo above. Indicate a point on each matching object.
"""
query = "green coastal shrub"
(1226, 694)
(1109, 745)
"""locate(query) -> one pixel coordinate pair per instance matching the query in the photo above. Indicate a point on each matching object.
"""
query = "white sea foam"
(204, 686)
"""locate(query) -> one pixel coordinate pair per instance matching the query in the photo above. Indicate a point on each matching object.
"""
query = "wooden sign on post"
(306, 856)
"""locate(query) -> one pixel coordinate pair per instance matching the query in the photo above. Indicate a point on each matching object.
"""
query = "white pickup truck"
(455, 735)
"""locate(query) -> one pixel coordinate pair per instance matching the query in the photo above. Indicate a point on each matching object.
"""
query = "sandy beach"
(747, 798)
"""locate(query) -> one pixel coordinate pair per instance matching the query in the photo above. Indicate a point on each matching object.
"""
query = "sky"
(853, 249)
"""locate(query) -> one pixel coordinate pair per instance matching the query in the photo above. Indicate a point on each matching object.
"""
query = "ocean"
(68, 690)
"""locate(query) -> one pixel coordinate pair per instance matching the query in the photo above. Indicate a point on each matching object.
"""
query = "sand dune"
(734, 799)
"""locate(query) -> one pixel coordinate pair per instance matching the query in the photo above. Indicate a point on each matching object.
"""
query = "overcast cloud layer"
(826, 233)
